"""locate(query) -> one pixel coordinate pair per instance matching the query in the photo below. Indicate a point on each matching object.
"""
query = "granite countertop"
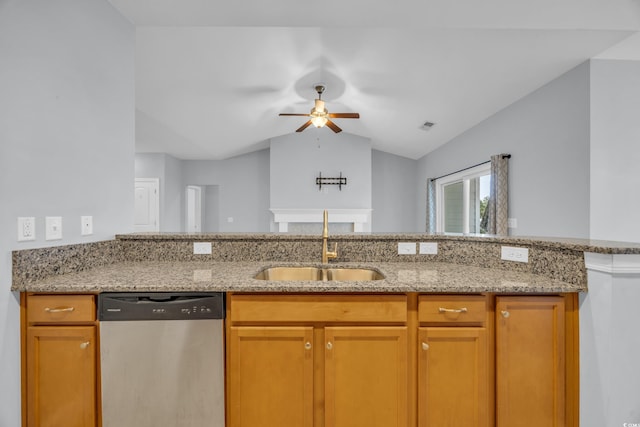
(431, 277)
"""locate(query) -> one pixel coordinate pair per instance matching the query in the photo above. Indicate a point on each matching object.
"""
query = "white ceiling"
(211, 77)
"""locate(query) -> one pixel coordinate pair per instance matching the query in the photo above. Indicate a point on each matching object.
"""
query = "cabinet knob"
(425, 346)
(307, 345)
(505, 313)
(85, 344)
(329, 345)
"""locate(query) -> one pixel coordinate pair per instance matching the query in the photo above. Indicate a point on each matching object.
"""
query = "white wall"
(296, 160)
(66, 123)
(394, 185)
(615, 150)
(547, 134)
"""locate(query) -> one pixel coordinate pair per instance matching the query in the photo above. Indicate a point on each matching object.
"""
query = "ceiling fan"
(319, 115)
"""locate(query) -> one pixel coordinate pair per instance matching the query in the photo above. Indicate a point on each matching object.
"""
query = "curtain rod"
(504, 156)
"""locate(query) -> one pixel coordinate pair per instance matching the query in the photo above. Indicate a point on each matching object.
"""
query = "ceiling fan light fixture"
(319, 121)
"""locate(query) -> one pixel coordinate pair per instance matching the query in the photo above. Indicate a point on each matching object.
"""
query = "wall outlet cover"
(429, 248)
(512, 253)
(406, 248)
(26, 228)
(53, 228)
(86, 225)
(202, 248)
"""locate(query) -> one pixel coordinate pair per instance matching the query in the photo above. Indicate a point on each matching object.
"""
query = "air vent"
(427, 125)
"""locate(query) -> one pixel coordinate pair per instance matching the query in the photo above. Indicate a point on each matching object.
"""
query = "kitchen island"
(463, 309)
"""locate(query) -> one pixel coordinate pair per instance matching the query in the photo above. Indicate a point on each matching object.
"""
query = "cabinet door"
(453, 383)
(270, 376)
(61, 376)
(530, 361)
(366, 376)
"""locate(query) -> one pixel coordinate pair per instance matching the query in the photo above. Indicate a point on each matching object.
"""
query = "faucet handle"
(334, 253)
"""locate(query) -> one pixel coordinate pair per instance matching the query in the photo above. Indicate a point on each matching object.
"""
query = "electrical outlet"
(86, 225)
(512, 223)
(429, 248)
(26, 228)
(53, 228)
(202, 248)
(511, 253)
(406, 248)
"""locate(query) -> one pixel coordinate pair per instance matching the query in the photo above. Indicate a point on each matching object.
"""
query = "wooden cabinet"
(270, 376)
(531, 367)
(454, 383)
(365, 376)
(323, 360)
(59, 361)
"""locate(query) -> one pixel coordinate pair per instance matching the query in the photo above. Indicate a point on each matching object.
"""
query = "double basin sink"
(320, 274)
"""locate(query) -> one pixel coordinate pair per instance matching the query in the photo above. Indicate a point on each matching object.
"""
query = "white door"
(194, 209)
(147, 205)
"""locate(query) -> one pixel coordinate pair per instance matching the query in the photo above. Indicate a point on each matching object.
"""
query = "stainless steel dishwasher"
(162, 359)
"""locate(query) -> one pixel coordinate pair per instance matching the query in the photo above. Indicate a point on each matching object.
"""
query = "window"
(462, 199)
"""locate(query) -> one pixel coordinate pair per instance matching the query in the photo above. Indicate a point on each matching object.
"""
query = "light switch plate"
(512, 253)
(53, 228)
(429, 248)
(406, 248)
(202, 248)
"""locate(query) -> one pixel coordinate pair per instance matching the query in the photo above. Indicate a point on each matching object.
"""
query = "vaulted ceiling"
(211, 76)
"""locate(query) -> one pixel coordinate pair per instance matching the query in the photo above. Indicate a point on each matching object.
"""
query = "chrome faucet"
(326, 254)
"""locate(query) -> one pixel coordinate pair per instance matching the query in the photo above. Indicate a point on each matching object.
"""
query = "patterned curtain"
(499, 195)
(431, 206)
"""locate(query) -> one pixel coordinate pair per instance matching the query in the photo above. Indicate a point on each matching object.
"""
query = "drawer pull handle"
(425, 346)
(329, 345)
(59, 310)
(307, 345)
(452, 310)
(505, 313)
(85, 344)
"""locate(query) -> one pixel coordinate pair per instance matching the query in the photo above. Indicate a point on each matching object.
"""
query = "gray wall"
(243, 189)
(168, 170)
(394, 186)
(66, 123)
(615, 150)
(547, 133)
(296, 160)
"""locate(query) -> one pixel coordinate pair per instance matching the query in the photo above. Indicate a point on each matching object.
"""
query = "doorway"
(194, 209)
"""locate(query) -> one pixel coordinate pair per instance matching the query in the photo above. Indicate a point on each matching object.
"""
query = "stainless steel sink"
(318, 274)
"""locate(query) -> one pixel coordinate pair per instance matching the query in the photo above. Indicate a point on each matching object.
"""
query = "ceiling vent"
(427, 125)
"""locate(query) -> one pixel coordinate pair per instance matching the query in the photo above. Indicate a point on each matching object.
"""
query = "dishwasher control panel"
(160, 306)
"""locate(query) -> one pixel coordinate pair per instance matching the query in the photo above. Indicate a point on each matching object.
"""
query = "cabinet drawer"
(452, 309)
(60, 308)
(319, 308)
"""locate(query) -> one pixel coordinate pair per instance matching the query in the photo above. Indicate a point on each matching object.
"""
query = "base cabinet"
(61, 376)
(317, 360)
(270, 376)
(60, 361)
(365, 376)
(453, 377)
(530, 361)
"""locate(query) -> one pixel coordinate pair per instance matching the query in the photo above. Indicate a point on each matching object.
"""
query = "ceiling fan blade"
(294, 114)
(304, 126)
(344, 115)
(334, 127)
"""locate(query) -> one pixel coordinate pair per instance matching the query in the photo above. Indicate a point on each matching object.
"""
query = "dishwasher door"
(162, 372)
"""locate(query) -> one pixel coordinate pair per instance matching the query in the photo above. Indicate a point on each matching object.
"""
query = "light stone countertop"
(429, 277)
